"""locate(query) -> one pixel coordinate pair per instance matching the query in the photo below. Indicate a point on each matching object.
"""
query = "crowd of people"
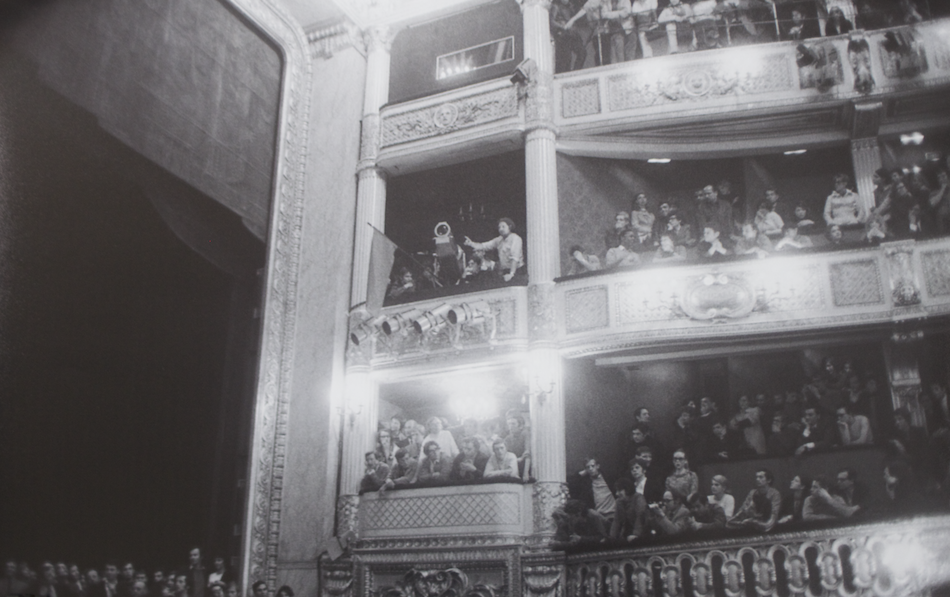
(409, 454)
(836, 409)
(61, 579)
(613, 31)
(715, 227)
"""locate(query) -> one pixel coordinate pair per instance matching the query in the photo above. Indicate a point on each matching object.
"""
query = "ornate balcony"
(805, 292)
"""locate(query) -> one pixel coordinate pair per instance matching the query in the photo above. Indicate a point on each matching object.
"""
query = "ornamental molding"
(269, 441)
(905, 289)
(337, 579)
(450, 116)
(718, 296)
(327, 41)
(548, 497)
(347, 516)
(445, 582)
(422, 543)
(542, 315)
(416, 513)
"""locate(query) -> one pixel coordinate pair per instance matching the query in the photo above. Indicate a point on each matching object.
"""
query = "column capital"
(378, 37)
(544, 4)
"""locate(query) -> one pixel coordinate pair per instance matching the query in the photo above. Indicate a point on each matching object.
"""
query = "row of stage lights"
(421, 322)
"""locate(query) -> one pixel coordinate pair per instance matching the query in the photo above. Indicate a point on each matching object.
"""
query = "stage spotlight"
(468, 313)
(399, 321)
(366, 330)
(432, 320)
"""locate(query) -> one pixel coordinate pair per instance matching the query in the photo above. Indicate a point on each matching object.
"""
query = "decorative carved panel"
(347, 515)
(697, 81)
(936, 266)
(904, 286)
(580, 98)
(902, 53)
(414, 512)
(454, 115)
(856, 283)
(541, 314)
(336, 579)
(446, 582)
(586, 309)
(718, 296)
(644, 300)
(548, 497)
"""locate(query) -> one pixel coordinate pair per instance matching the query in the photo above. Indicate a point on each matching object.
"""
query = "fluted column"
(360, 413)
(866, 158)
(371, 181)
(544, 362)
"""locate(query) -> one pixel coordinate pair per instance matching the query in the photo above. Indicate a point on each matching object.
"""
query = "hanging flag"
(381, 257)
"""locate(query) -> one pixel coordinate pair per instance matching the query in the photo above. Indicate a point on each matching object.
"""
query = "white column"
(866, 158)
(371, 182)
(360, 414)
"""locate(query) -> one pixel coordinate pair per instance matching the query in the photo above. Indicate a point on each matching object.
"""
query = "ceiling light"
(795, 151)
(915, 138)
(659, 160)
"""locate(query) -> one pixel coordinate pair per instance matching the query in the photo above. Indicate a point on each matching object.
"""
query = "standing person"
(111, 581)
(259, 588)
(220, 573)
(510, 249)
(518, 442)
(569, 46)
(11, 584)
(939, 201)
(844, 207)
(596, 12)
(375, 474)
(126, 578)
(749, 421)
(196, 573)
(94, 585)
(182, 589)
(441, 436)
(74, 585)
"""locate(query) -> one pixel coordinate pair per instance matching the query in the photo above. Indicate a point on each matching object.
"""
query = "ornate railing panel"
(893, 282)
(887, 560)
(470, 510)
(859, 65)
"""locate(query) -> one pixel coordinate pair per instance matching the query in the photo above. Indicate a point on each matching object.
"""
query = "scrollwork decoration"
(447, 582)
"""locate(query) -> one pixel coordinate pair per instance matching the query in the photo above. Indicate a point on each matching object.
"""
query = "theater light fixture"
(366, 330)
(915, 138)
(658, 161)
(795, 151)
(399, 321)
(433, 320)
(466, 313)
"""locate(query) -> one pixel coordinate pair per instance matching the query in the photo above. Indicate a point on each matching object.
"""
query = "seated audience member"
(403, 472)
(939, 201)
(662, 221)
(469, 429)
(910, 442)
(682, 435)
(847, 487)
(671, 518)
(870, 16)
(376, 473)
(404, 284)
(837, 24)
(652, 484)
(853, 429)
(625, 254)
(799, 28)
(642, 220)
(668, 250)
(682, 480)
(803, 222)
(680, 232)
(748, 422)
(385, 448)
(518, 442)
(752, 243)
(816, 436)
(677, 19)
(441, 436)
(577, 525)
(510, 249)
(719, 497)
(761, 507)
(704, 515)
(821, 505)
(723, 445)
(638, 437)
(434, 467)
(502, 463)
(569, 47)
(711, 246)
(791, 240)
(844, 207)
(783, 439)
(794, 500)
(582, 262)
(397, 430)
(479, 268)
(613, 235)
(767, 221)
(595, 492)
(630, 520)
(909, 12)
(416, 436)
(470, 463)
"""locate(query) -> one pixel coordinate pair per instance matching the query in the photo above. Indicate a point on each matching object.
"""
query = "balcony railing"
(902, 558)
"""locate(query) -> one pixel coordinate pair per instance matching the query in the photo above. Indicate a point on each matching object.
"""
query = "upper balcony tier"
(670, 307)
(697, 104)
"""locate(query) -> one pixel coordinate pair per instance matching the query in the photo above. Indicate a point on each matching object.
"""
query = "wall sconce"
(352, 411)
(432, 321)
(399, 321)
(541, 376)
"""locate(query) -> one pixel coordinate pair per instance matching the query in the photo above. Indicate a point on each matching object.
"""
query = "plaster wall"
(308, 500)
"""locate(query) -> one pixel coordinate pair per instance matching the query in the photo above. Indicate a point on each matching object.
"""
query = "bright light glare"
(795, 151)
(659, 160)
(915, 138)
(480, 406)
(905, 559)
